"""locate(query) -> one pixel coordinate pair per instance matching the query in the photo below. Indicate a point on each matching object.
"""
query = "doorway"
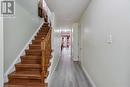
(65, 40)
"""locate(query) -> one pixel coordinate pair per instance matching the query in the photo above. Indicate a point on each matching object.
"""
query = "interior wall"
(129, 60)
(17, 31)
(129, 49)
(75, 39)
(104, 42)
(30, 6)
(56, 43)
(1, 52)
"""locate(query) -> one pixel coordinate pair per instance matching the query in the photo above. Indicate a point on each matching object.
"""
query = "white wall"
(56, 43)
(129, 50)
(75, 48)
(1, 52)
(18, 30)
(56, 47)
(106, 63)
(129, 61)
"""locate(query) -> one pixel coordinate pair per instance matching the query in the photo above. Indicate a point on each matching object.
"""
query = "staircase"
(32, 70)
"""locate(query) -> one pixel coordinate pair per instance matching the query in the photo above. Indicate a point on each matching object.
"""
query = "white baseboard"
(17, 60)
(88, 76)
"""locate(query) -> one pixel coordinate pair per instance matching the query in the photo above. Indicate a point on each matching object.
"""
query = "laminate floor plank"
(68, 73)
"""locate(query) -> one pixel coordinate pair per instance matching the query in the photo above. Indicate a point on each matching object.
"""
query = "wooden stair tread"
(25, 75)
(35, 45)
(33, 50)
(24, 85)
(31, 57)
(36, 41)
(31, 60)
(36, 52)
(27, 84)
(38, 38)
(28, 65)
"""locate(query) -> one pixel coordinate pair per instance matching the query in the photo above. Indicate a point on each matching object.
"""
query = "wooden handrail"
(46, 54)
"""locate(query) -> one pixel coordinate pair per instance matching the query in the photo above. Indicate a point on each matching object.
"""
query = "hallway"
(68, 73)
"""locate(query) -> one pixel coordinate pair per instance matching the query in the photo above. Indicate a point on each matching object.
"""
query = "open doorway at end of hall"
(65, 40)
